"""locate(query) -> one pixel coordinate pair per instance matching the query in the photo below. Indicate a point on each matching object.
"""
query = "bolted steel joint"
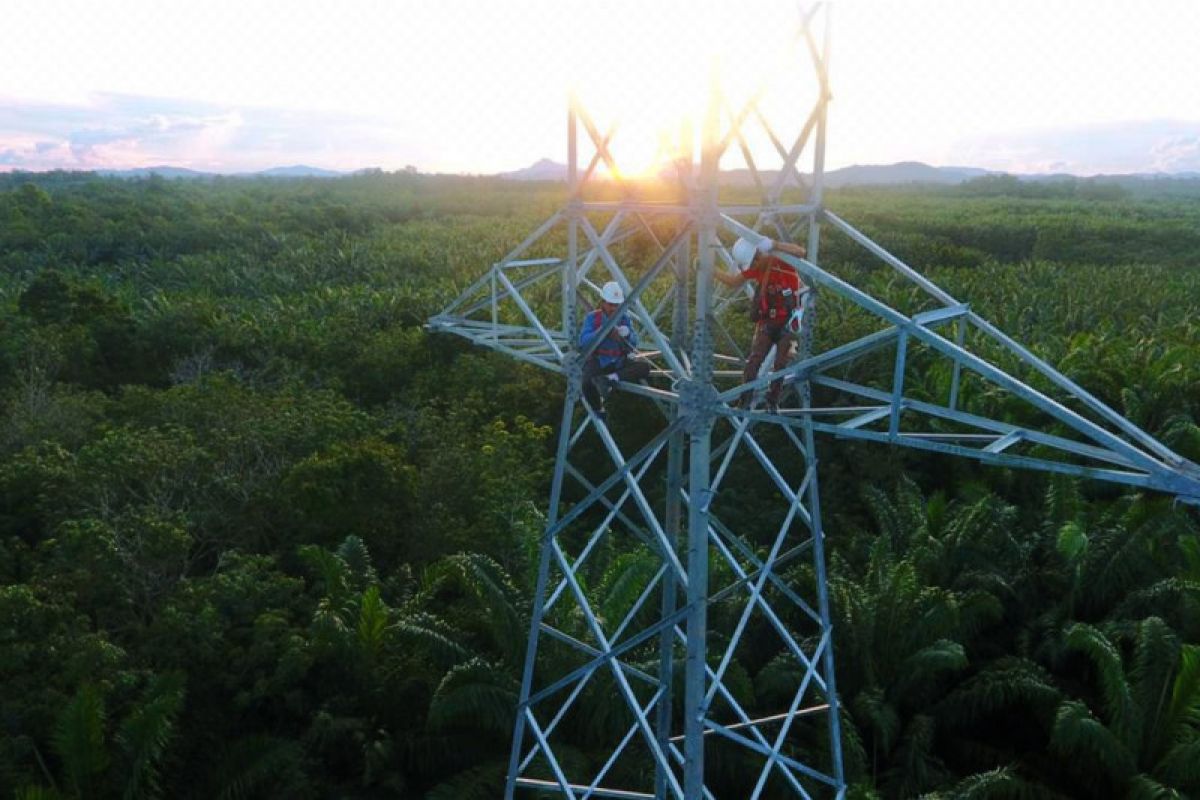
(573, 372)
(698, 405)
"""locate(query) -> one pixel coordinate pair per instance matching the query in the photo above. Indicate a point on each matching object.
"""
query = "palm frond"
(433, 634)
(1155, 657)
(247, 766)
(482, 782)
(1162, 598)
(354, 554)
(79, 739)
(879, 717)
(1079, 735)
(331, 570)
(624, 581)
(916, 766)
(1002, 783)
(1072, 540)
(146, 732)
(477, 695)
(37, 793)
(1185, 691)
(492, 588)
(1116, 691)
(922, 668)
(982, 607)
(1143, 787)
(1007, 684)
(1115, 562)
(1180, 766)
(372, 623)
(1063, 502)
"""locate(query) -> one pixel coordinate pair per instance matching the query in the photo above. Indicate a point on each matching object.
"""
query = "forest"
(263, 535)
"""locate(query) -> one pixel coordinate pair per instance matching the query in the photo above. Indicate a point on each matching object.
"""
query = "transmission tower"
(650, 660)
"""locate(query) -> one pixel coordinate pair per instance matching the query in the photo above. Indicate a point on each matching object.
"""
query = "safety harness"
(772, 303)
(610, 346)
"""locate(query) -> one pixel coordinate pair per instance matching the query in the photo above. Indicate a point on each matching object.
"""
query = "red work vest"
(775, 300)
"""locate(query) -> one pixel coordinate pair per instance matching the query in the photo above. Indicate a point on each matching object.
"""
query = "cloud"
(124, 131)
(144, 141)
(1113, 148)
(121, 131)
(1177, 154)
(32, 155)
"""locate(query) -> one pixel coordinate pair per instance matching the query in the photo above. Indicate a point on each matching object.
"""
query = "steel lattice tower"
(640, 658)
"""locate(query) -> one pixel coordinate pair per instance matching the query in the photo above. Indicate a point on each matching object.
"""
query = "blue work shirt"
(610, 352)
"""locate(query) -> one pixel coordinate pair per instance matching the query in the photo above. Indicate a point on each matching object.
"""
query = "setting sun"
(656, 88)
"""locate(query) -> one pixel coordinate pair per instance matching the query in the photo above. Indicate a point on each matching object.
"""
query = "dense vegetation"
(261, 535)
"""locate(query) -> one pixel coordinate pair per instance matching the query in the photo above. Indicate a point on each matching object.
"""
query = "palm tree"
(89, 766)
(904, 622)
(1137, 733)
(925, 666)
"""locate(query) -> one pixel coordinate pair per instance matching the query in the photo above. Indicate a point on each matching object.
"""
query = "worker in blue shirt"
(612, 360)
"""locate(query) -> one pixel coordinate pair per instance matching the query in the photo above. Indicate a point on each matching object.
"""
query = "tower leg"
(699, 466)
(827, 667)
(539, 594)
(673, 514)
(697, 618)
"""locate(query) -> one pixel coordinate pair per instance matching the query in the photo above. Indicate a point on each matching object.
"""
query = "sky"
(481, 86)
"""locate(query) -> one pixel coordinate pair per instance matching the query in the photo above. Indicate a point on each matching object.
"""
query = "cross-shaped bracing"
(753, 588)
(608, 649)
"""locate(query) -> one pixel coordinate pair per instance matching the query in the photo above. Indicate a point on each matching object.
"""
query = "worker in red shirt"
(775, 309)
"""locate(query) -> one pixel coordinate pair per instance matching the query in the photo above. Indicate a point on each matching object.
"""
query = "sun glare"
(649, 83)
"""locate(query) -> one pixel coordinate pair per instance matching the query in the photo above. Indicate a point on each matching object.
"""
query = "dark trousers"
(764, 337)
(596, 376)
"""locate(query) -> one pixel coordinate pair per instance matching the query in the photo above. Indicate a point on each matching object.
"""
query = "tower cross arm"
(1163, 469)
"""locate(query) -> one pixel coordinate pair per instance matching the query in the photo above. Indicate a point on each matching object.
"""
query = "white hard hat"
(611, 293)
(744, 252)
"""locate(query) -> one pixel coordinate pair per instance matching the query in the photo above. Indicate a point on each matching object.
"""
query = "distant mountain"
(857, 175)
(542, 170)
(297, 171)
(903, 172)
(871, 175)
(146, 172)
(294, 171)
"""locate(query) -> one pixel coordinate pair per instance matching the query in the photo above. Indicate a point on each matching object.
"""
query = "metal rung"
(928, 318)
(966, 437)
(794, 412)
(599, 791)
(529, 262)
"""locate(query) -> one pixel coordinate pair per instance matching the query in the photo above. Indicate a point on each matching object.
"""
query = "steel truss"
(651, 580)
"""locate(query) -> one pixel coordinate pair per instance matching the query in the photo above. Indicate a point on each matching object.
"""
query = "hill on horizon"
(903, 172)
(166, 171)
